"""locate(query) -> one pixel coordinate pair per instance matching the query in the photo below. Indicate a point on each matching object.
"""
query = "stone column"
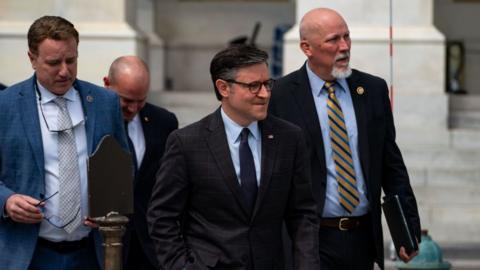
(104, 35)
(420, 104)
(155, 52)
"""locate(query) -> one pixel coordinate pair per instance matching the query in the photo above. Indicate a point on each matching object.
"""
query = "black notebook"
(397, 223)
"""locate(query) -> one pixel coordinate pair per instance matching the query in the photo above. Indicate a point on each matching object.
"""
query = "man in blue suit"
(49, 125)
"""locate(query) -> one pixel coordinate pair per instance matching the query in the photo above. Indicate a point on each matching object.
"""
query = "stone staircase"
(446, 179)
(464, 111)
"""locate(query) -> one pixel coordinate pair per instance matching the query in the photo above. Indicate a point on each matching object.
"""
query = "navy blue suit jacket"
(157, 124)
(380, 157)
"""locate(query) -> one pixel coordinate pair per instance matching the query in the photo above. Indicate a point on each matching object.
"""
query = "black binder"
(397, 223)
(110, 179)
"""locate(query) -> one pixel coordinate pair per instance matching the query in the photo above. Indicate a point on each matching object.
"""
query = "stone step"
(465, 119)
(442, 158)
(444, 177)
(464, 111)
(464, 102)
(456, 264)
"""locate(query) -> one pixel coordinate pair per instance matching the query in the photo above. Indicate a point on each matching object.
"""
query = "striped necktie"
(342, 155)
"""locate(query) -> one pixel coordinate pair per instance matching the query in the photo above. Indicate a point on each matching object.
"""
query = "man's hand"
(90, 223)
(406, 257)
(24, 209)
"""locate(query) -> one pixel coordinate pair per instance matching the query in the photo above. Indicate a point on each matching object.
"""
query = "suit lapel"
(31, 123)
(269, 144)
(218, 145)
(359, 105)
(304, 98)
(147, 135)
(88, 101)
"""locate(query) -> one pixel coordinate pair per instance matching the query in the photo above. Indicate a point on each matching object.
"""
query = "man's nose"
(264, 92)
(63, 69)
(344, 45)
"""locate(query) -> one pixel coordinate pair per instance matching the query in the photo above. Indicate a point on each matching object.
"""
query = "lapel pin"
(270, 136)
(89, 98)
(360, 90)
(146, 119)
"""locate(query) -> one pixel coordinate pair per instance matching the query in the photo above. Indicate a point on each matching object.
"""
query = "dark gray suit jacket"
(198, 215)
(380, 157)
(157, 124)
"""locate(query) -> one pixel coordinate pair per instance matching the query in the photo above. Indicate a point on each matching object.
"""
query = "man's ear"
(106, 82)
(33, 59)
(305, 47)
(222, 87)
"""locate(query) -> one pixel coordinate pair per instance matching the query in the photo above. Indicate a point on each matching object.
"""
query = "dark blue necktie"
(132, 148)
(248, 176)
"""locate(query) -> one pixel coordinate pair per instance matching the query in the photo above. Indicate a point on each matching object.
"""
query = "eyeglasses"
(45, 119)
(54, 220)
(254, 87)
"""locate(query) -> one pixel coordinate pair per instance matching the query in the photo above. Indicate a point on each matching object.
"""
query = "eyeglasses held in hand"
(54, 220)
(254, 87)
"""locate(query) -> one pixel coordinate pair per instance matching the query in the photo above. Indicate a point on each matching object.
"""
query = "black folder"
(401, 233)
(110, 179)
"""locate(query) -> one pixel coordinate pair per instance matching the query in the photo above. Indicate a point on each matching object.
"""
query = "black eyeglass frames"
(254, 87)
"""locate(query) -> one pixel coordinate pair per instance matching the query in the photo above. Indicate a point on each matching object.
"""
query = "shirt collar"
(233, 130)
(48, 96)
(136, 119)
(316, 83)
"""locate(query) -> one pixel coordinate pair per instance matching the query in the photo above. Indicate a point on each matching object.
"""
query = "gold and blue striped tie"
(342, 155)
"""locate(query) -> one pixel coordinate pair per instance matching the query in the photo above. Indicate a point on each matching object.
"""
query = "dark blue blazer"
(380, 157)
(157, 124)
(22, 157)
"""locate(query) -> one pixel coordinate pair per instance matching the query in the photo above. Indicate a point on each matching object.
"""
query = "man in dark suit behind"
(227, 182)
(148, 129)
(349, 129)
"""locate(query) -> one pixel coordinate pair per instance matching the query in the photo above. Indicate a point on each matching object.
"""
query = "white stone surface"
(195, 30)
(104, 35)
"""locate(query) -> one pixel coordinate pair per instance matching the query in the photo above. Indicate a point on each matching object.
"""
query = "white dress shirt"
(332, 206)
(135, 132)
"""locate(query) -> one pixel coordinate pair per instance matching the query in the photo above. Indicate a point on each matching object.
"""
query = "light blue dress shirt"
(332, 206)
(233, 131)
(50, 151)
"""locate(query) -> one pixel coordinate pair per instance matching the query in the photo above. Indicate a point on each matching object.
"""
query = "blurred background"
(434, 72)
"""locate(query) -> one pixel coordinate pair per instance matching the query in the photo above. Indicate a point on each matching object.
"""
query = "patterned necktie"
(342, 155)
(248, 176)
(68, 170)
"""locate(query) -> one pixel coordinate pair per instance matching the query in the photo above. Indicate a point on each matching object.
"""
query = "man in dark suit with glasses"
(49, 125)
(229, 181)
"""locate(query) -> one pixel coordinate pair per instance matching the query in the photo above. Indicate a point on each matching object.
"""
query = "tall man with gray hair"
(348, 125)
